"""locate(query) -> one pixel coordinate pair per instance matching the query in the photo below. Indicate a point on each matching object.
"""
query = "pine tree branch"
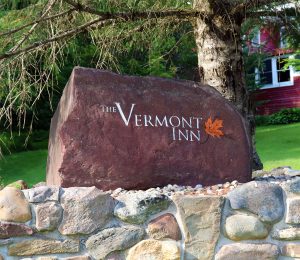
(134, 15)
(52, 17)
(104, 19)
(99, 22)
(46, 10)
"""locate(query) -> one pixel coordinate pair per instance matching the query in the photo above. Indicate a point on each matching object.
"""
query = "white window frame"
(276, 84)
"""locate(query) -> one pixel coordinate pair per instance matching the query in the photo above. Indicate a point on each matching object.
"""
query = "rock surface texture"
(248, 252)
(140, 132)
(43, 246)
(168, 223)
(293, 186)
(201, 217)
(113, 239)
(164, 226)
(154, 250)
(8, 230)
(136, 207)
(243, 227)
(291, 233)
(291, 250)
(42, 194)
(85, 210)
(48, 216)
(261, 198)
(293, 211)
(14, 206)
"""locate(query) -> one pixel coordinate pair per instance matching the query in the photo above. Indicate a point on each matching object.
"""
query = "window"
(274, 73)
(266, 73)
(256, 38)
(283, 75)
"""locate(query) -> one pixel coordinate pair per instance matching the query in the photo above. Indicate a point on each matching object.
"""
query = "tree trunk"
(220, 58)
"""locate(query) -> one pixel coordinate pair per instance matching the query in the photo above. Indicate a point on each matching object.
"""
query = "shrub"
(262, 120)
(284, 116)
(16, 142)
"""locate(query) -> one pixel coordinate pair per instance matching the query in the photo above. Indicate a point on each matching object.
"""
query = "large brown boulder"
(138, 132)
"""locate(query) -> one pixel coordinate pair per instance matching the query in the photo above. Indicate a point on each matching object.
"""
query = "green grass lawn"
(279, 145)
(276, 145)
(28, 166)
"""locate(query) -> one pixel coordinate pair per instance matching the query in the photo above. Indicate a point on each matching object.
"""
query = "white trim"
(276, 84)
(281, 85)
(295, 73)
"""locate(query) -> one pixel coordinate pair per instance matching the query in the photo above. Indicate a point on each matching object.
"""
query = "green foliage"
(253, 61)
(261, 120)
(284, 116)
(16, 4)
(17, 142)
(141, 5)
(158, 66)
(291, 34)
(164, 53)
(293, 60)
(2, 185)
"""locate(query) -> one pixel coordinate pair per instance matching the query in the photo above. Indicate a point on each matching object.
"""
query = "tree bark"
(220, 59)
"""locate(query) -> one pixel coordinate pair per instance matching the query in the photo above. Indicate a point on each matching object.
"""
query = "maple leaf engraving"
(213, 127)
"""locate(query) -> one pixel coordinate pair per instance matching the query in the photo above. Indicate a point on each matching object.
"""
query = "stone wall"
(256, 220)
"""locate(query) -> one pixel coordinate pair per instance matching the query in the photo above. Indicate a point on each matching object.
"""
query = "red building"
(280, 86)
